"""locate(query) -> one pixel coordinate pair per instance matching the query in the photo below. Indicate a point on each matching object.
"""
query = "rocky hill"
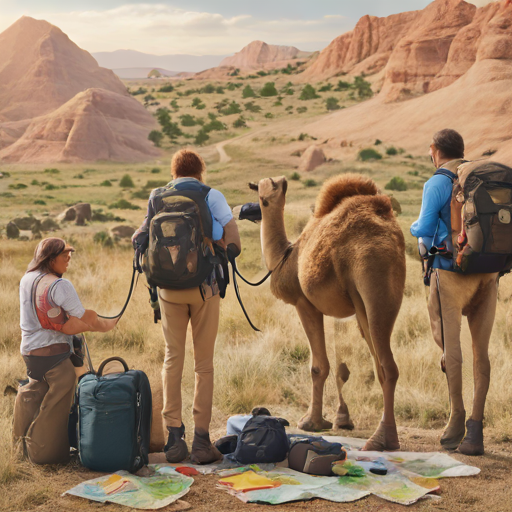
(260, 55)
(44, 111)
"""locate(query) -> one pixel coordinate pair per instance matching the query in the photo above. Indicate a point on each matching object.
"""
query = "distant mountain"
(122, 59)
(127, 73)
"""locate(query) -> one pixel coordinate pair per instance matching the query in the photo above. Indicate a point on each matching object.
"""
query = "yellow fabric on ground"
(249, 481)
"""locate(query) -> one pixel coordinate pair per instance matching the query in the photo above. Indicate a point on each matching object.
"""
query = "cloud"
(162, 29)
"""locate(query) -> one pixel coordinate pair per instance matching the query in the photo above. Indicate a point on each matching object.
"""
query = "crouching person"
(50, 314)
(186, 231)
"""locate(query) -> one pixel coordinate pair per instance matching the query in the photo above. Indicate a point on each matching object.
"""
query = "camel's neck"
(274, 242)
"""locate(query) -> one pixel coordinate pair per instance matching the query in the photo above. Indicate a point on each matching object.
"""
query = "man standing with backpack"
(453, 294)
(185, 236)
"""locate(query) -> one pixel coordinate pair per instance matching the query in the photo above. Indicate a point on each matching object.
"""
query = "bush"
(363, 88)
(17, 186)
(140, 90)
(156, 170)
(151, 184)
(378, 142)
(310, 183)
(269, 89)
(51, 171)
(240, 123)
(325, 88)
(166, 88)
(48, 186)
(396, 183)
(188, 120)
(302, 110)
(123, 204)
(308, 93)
(106, 183)
(198, 103)
(391, 151)
(148, 98)
(103, 238)
(219, 90)
(174, 105)
(269, 115)
(35, 182)
(39, 201)
(369, 154)
(295, 176)
(214, 125)
(332, 103)
(99, 216)
(248, 92)
(252, 107)
(156, 136)
(343, 86)
(141, 194)
(208, 89)
(201, 137)
(79, 176)
(126, 181)
(232, 108)
(303, 136)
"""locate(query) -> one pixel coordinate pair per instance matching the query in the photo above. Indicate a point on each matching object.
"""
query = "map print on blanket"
(410, 477)
(146, 493)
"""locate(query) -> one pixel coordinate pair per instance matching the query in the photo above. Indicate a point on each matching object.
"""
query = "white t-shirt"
(33, 335)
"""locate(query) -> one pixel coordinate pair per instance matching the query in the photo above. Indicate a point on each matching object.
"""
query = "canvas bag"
(481, 218)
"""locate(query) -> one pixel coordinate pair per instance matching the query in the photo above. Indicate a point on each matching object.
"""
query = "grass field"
(268, 368)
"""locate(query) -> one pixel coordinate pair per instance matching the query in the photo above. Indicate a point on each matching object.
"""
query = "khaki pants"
(178, 308)
(41, 414)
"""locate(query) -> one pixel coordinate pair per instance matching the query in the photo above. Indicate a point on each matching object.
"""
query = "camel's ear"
(274, 186)
(253, 186)
(285, 187)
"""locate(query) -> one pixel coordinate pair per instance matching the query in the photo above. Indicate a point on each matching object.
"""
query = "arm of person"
(431, 206)
(223, 214)
(80, 319)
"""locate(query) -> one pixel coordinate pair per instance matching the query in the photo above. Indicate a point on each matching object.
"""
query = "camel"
(474, 296)
(349, 260)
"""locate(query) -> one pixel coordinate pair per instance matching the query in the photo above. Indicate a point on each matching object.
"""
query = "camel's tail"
(341, 187)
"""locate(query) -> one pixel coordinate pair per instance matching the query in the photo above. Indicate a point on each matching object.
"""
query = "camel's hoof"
(473, 443)
(343, 422)
(310, 425)
(385, 438)
(454, 432)
(443, 364)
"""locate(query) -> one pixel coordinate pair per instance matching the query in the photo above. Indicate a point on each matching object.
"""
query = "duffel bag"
(114, 419)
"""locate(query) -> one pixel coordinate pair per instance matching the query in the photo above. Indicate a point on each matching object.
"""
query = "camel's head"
(271, 190)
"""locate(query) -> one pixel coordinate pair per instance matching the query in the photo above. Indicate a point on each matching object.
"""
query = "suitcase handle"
(104, 363)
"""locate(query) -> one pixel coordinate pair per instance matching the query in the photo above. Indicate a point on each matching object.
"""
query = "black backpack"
(262, 440)
(180, 252)
(481, 216)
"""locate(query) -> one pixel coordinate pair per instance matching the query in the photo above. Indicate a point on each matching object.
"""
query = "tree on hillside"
(332, 103)
(363, 88)
(308, 93)
(201, 137)
(155, 137)
(269, 89)
(248, 92)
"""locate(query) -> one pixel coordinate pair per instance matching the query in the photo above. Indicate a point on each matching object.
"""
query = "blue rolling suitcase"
(114, 419)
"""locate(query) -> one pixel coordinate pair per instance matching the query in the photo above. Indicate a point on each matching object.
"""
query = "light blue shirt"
(32, 334)
(435, 215)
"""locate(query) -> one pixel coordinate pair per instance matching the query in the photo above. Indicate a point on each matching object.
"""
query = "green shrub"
(363, 88)
(248, 92)
(201, 137)
(123, 204)
(303, 136)
(207, 89)
(48, 186)
(188, 120)
(51, 171)
(140, 90)
(302, 110)
(214, 125)
(325, 88)
(308, 93)
(106, 183)
(6, 174)
(269, 89)
(269, 115)
(156, 136)
(166, 88)
(40, 201)
(35, 182)
(295, 176)
(156, 170)
(79, 176)
(100, 216)
(198, 103)
(148, 98)
(240, 123)
(413, 173)
(174, 105)
(103, 238)
(252, 107)
(219, 90)
(343, 86)
(151, 184)
(310, 183)
(141, 194)
(396, 183)
(378, 142)
(289, 107)
(391, 151)
(369, 154)
(232, 108)
(332, 103)
(126, 181)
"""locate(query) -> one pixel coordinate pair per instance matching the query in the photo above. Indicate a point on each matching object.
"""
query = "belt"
(51, 350)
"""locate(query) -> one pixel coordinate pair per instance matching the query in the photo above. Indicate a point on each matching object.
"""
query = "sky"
(201, 27)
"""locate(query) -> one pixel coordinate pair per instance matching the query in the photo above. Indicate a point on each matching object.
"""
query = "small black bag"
(263, 439)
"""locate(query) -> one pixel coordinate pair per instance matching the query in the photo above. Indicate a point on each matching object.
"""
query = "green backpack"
(180, 252)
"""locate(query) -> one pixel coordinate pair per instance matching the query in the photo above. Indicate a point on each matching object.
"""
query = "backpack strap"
(445, 172)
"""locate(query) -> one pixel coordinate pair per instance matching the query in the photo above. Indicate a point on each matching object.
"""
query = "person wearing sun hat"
(50, 314)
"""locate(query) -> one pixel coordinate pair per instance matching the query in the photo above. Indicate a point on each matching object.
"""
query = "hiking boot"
(473, 443)
(203, 451)
(176, 449)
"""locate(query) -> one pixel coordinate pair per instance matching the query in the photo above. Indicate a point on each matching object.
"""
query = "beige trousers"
(178, 308)
(41, 414)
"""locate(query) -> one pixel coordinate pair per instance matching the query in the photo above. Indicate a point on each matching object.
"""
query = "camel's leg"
(445, 318)
(342, 420)
(481, 320)
(378, 336)
(313, 323)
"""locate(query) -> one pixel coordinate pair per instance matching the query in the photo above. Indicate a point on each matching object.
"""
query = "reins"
(236, 272)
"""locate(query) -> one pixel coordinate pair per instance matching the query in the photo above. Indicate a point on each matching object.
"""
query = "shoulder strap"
(445, 172)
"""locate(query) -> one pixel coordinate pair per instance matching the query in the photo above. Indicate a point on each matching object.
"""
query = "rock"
(12, 230)
(311, 159)
(67, 215)
(49, 224)
(25, 235)
(28, 223)
(122, 231)
(83, 213)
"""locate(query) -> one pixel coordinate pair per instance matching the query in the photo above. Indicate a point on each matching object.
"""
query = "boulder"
(26, 235)
(311, 159)
(68, 215)
(28, 223)
(122, 231)
(12, 230)
(49, 224)
(83, 213)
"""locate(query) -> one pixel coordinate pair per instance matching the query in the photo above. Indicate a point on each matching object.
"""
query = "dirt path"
(490, 491)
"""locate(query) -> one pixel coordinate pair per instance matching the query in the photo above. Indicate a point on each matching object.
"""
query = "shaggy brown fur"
(350, 259)
(338, 188)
